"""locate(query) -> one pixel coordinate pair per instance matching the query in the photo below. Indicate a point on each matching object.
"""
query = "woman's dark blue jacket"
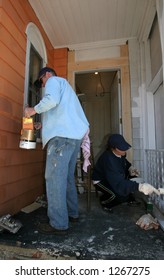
(113, 171)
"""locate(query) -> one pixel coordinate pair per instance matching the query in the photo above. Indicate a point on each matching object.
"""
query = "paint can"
(28, 135)
(149, 206)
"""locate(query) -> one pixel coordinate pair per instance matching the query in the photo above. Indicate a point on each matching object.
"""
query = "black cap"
(44, 70)
(38, 83)
(118, 141)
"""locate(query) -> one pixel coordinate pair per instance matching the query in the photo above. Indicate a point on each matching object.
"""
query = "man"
(111, 175)
(64, 125)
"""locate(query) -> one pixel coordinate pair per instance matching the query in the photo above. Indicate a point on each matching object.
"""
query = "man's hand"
(37, 125)
(148, 189)
(29, 111)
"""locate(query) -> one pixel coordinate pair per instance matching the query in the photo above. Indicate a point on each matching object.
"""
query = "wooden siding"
(61, 62)
(21, 171)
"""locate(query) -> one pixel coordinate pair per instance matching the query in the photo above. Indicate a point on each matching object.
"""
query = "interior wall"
(115, 106)
(97, 110)
(94, 92)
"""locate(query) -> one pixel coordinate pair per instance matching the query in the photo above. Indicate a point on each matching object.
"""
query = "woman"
(112, 173)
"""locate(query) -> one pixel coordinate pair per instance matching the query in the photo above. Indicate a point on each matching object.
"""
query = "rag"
(86, 150)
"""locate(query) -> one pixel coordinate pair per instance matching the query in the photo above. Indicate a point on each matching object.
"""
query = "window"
(157, 82)
(155, 48)
(36, 58)
(35, 65)
(34, 95)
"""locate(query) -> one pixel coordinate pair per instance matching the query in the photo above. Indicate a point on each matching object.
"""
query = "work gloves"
(161, 190)
(148, 189)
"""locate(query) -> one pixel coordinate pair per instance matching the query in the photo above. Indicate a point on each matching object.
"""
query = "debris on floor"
(97, 235)
(17, 253)
(10, 224)
(42, 200)
(147, 222)
(32, 207)
(39, 202)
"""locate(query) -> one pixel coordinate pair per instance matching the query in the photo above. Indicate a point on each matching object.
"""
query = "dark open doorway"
(100, 96)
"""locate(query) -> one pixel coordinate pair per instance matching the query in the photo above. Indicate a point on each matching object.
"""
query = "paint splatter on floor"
(97, 235)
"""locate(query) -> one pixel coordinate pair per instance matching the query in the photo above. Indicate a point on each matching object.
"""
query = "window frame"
(35, 41)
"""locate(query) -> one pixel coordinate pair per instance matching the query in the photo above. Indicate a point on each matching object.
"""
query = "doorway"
(100, 95)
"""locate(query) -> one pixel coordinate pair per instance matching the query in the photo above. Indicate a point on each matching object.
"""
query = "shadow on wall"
(102, 146)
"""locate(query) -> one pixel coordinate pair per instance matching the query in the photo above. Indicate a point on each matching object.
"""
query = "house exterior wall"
(147, 156)
(136, 105)
(61, 61)
(21, 171)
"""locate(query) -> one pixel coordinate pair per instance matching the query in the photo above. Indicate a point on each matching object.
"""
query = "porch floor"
(97, 235)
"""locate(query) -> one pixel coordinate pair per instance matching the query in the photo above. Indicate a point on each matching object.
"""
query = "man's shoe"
(73, 220)
(48, 229)
(44, 219)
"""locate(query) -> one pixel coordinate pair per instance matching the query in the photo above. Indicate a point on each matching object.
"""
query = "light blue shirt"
(62, 115)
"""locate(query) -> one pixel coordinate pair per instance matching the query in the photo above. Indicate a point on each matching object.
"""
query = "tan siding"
(10, 91)
(24, 157)
(9, 125)
(21, 171)
(12, 28)
(9, 40)
(60, 61)
(15, 204)
(12, 76)
(10, 58)
(15, 189)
